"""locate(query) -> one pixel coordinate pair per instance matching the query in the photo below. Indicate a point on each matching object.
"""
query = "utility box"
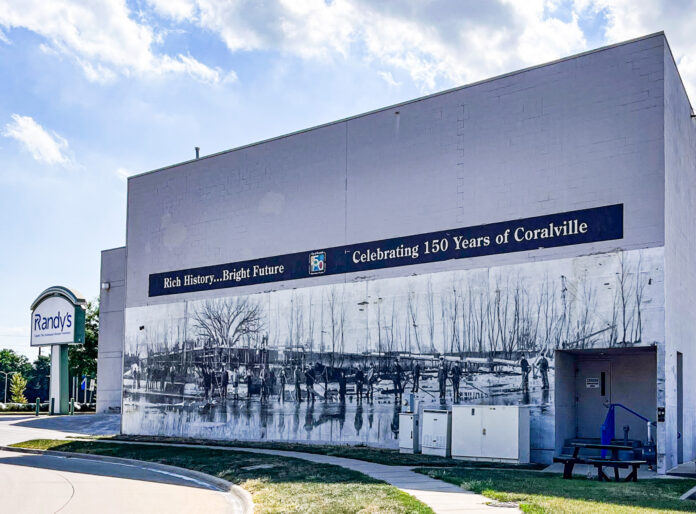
(437, 432)
(498, 433)
(408, 433)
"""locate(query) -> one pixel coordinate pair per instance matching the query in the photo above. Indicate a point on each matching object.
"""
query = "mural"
(337, 363)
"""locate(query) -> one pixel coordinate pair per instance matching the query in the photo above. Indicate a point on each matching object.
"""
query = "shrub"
(17, 386)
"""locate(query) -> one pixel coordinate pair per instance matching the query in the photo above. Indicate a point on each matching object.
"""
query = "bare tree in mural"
(430, 315)
(625, 294)
(226, 321)
(585, 324)
(310, 323)
(337, 318)
(640, 290)
(449, 314)
(412, 319)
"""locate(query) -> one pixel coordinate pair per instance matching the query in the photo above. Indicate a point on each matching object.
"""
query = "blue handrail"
(632, 412)
(609, 425)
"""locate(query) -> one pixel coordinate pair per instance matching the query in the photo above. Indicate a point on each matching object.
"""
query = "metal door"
(592, 396)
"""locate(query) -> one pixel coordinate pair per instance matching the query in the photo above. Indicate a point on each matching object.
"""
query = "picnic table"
(569, 461)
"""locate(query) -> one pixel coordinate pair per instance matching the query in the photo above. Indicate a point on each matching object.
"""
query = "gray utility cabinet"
(437, 430)
(408, 433)
(490, 432)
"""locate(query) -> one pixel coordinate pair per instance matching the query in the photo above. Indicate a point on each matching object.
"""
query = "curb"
(210, 481)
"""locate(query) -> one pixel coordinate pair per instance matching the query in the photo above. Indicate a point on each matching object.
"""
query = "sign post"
(58, 320)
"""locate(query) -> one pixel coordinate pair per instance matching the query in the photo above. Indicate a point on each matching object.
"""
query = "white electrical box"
(437, 430)
(491, 432)
(408, 433)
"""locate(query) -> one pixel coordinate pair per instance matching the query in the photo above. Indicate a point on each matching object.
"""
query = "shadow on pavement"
(92, 424)
(107, 469)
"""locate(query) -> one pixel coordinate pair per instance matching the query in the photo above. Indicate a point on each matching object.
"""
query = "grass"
(368, 454)
(281, 484)
(548, 493)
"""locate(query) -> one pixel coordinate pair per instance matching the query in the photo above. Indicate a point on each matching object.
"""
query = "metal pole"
(6, 375)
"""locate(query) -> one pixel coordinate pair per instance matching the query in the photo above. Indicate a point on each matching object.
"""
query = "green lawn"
(277, 484)
(369, 454)
(549, 493)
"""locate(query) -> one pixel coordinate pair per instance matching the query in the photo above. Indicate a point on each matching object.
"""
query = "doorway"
(593, 396)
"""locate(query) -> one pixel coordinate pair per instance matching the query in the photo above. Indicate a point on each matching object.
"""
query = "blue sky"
(95, 91)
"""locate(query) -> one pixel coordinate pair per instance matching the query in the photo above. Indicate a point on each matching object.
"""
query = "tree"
(37, 386)
(226, 321)
(82, 358)
(17, 385)
(11, 361)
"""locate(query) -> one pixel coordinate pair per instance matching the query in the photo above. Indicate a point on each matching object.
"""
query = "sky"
(93, 92)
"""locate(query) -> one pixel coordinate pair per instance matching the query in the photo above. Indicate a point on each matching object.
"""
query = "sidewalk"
(440, 496)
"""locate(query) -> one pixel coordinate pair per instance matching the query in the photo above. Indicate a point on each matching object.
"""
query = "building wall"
(680, 262)
(111, 330)
(582, 132)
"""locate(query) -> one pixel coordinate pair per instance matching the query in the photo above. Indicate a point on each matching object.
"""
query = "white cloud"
(49, 148)
(440, 42)
(3, 38)
(101, 37)
(388, 78)
(124, 173)
(629, 19)
(179, 10)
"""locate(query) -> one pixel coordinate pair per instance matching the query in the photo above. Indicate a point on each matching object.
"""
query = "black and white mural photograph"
(338, 363)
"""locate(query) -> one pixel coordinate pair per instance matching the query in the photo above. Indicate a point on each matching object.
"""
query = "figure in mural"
(442, 379)
(235, 383)
(398, 375)
(524, 366)
(135, 371)
(283, 380)
(298, 386)
(456, 378)
(225, 380)
(342, 387)
(416, 377)
(359, 381)
(370, 380)
(543, 365)
(309, 382)
(249, 380)
(263, 377)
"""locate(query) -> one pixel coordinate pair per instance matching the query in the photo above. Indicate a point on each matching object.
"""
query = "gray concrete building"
(528, 238)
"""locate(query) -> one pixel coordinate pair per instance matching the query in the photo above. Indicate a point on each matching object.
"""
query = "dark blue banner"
(567, 228)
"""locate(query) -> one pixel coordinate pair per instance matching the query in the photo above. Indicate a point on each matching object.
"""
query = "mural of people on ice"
(336, 363)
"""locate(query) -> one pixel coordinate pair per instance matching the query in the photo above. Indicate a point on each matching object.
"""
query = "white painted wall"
(111, 330)
(582, 132)
(680, 263)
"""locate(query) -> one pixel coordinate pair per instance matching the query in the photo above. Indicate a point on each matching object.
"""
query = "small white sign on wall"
(592, 383)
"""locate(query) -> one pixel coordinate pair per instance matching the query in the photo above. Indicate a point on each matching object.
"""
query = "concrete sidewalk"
(437, 494)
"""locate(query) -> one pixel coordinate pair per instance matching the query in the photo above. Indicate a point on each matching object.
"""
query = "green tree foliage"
(37, 386)
(11, 361)
(17, 386)
(82, 358)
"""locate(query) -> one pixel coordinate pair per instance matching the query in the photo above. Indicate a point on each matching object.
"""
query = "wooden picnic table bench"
(569, 461)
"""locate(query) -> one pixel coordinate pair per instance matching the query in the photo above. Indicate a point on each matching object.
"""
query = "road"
(37, 484)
